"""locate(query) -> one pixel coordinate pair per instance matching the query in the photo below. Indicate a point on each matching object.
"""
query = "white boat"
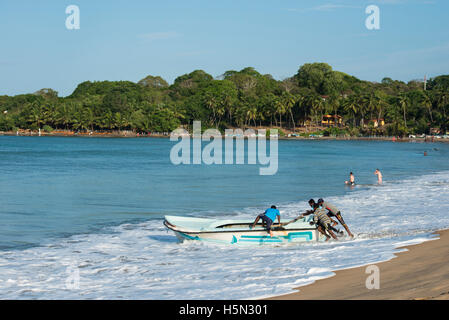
(240, 232)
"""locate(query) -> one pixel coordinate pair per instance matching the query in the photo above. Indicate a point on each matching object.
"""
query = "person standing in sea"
(351, 179)
(379, 176)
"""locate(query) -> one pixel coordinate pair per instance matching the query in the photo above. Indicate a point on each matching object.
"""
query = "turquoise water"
(55, 191)
(52, 187)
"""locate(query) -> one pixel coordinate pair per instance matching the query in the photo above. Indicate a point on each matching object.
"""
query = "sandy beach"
(420, 273)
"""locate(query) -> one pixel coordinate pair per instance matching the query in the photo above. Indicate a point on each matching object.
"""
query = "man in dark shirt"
(334, 212)
(321, 219)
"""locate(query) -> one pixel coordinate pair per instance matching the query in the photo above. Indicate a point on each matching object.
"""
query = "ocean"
(91, 209)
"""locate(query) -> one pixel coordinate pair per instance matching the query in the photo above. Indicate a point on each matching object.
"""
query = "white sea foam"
(144, 261)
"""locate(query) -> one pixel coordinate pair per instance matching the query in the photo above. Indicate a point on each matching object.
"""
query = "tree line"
(241, 99)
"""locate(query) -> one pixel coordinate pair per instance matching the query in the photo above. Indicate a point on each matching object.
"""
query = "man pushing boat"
(321, 219)
(268, 217)
(332, 211)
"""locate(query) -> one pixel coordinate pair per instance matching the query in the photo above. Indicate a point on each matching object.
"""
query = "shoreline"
(302, 138)
(419, 272)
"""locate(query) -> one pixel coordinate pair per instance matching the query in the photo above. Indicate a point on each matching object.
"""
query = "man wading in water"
(351, 181)
(379, 176)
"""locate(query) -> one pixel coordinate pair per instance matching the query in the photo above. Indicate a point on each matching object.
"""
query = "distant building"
(331, 120)
(435, 131)
(377, 122)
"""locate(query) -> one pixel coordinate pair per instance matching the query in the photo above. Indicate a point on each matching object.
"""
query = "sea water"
(91, 209)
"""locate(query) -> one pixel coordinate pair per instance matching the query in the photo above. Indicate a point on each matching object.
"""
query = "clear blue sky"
(127, 40)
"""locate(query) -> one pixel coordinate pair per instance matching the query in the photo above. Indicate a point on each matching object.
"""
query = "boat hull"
(257, 236)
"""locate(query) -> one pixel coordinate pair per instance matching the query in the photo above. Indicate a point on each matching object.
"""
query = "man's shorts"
(267, 220)
(323, 225)
(337, 215)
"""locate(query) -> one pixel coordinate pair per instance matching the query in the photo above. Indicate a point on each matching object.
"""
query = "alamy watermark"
(373, 280)
(72, 281)
(372, 22)
(72, 22)
(212, 153)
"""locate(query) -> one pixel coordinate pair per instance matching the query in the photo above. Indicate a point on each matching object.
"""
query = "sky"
(128, 40)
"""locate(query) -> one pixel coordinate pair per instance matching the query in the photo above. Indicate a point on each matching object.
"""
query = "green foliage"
(323, 80)
(6, 122)
(439, 83)
(397, 129)
(238, 99)
(281, 133)
(47, 128)
(153, 82)
(189, 84)
(334, 132)
(47, 93)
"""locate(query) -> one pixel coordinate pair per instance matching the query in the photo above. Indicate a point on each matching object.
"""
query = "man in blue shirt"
(268, 217)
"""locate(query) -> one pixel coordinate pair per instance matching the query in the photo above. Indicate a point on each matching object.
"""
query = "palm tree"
(380, 104)
(333, 102)
(280, 109)
(289, 102)
(216, 107)
(88, 115)
(317, 104)
(442, 98)
(220, 111)
(428, 104)
(36, 114)
(120, 121)
(350, 106)
(251, 114)
(260, 115)
(50, 114)
(270, 108)
(64, 115)
(366, 103)
(305, 103)
(108, 120)
(299, 103)
(404, 102)
(228, 107)
(78, 119)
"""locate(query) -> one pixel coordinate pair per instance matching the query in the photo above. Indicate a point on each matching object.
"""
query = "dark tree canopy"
(238, 99)
(154, 82)
(47, 93)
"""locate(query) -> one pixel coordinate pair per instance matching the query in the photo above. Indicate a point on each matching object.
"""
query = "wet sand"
(421, 273)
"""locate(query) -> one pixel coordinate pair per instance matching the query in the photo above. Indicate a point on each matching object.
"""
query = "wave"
(144, 260)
